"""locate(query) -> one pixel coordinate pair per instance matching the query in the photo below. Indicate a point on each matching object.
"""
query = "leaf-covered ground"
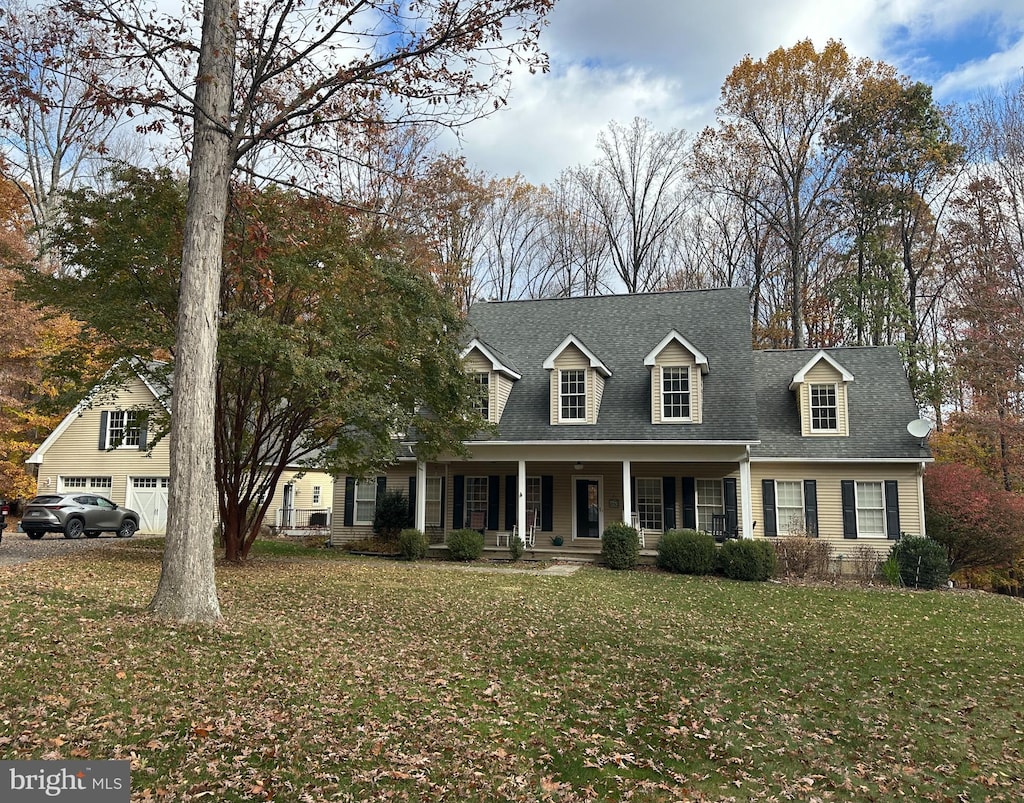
(362, 679)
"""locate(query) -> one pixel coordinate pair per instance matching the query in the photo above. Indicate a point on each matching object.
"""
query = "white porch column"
(421, 496)
(627, 494)
(746, 505)
(521, 501)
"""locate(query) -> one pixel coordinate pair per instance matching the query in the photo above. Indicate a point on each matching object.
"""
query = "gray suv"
(76, 515)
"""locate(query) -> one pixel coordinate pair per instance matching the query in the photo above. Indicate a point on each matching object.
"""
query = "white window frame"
(708, 503)
(685, 374)
(475, 497)
(433, 502)
(482, 403)
(790, 519)
(93, 485)
(649, 503)
(317, 491)
(818, 409)
(123, 431)
(361, 504)
(864, 509)
(563, 395)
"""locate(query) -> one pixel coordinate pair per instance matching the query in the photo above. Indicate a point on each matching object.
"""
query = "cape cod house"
(102, 447)
(654, 409)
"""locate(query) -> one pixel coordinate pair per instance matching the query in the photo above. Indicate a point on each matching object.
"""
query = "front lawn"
(365, 679)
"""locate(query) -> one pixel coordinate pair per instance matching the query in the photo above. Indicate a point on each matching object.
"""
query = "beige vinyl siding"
(76, 452)
(824, 374)
(502, 389)
(572, 358)
(675, 355)
(302, 498)
(397, 480)
(830, 502)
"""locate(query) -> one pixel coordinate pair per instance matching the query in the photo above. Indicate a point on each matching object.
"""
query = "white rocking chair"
(639, 530)
(527, 534)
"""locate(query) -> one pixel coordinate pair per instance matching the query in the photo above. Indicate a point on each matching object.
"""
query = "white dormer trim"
(801, 376)
(496, 364)
(698, 355)
(572, 340)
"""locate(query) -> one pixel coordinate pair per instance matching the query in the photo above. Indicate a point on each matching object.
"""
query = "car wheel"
(74, 528)
(35, 536)
(92, 533)
(127, 529)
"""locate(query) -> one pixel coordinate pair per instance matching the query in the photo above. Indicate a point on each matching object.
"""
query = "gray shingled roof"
(621, 331)
(880, 407)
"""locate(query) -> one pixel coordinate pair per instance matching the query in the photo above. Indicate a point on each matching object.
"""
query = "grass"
(340, 678)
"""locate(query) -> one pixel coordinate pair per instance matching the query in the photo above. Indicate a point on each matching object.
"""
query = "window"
(870, 510)
(476, 502)
(789, 506)
(316, 494)
(482, 403)
(95, 484)
(824, 408)
(366, 501)
(433, 500)
(675, 392)
(533, 499)
(710, 502)
(648, 502)
(123, 429)
(573, 395)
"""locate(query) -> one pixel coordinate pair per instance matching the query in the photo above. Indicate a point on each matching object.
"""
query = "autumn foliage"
(978, 522)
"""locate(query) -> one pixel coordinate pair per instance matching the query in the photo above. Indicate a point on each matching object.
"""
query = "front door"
(588, 508)
(287, 503)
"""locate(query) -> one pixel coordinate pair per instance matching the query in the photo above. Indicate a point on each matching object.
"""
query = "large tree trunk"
(187, 590)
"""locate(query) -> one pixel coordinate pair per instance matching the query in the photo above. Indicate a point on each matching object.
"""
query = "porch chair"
(529, 533)
(718, 527)
(639, 530)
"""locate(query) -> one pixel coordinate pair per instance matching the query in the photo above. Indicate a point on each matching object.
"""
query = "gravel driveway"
(18, 548)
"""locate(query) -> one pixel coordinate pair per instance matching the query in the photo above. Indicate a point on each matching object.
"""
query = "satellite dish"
(919, 427)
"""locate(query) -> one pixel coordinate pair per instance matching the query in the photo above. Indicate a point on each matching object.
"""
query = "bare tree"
(577, 249)
(303, 69)
(637, 197)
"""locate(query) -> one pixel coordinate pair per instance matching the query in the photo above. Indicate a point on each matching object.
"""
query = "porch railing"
(293, 518)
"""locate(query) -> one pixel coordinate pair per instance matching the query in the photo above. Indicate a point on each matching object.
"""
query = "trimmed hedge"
(412, 544)
(465, 544)
(921, 561)
(747, 559)
(686, 552)
(620, 546)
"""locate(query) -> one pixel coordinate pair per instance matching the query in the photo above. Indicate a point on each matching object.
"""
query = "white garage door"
(148, 496)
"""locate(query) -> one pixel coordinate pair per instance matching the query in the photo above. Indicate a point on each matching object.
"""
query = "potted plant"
(556, 540)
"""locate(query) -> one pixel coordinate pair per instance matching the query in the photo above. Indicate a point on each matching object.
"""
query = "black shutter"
(441, 512)
(103, 430)
(547, 503)
(350, 500)
(143, 426)
(668, 499)
(511, 500)
(382, 486)
(892, 509)
(768, 507)
(493, 491)
(689, 503)
(732, 524)
(459, 501)
(811, 507)
(412, 501)
(849, 509)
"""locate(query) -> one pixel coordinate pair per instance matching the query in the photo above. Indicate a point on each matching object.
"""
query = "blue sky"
(666, 60)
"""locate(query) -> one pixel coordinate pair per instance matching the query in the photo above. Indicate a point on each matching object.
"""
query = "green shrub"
(391, 515)
(922, 562)
(620, 546)
(747, 559)
(465, 544)
(412, 544)
(686, 552)
(515, 547)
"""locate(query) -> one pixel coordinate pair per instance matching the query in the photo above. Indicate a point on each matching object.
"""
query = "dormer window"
(824, 408)
(573, 395)
(675, 393)
(482, 403)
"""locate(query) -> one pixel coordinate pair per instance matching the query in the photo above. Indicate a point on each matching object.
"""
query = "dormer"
(821, 397)
(677, 387)
(577, 383)
(494, 375)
